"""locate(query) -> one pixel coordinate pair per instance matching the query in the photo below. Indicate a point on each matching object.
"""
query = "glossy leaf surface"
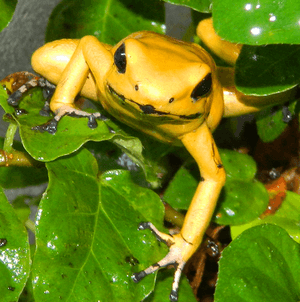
(256, 23)
(109, 21)
(287, 217)
(14, 253)
(102, 248)
(266, 267)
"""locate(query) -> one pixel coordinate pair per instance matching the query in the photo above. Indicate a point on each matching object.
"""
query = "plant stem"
(9, 137)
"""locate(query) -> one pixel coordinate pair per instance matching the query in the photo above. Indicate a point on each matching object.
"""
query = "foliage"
(87, 243)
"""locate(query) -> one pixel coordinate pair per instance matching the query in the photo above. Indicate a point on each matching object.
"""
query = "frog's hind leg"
(35, 81)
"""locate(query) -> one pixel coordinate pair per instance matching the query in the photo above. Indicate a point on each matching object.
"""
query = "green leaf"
(270, 122)
(72, 133)
(262, 264)
(238, 166)
(7, 8)
(95, 258)
(287, 217)
(265, 70)
(241, 201)
(14, 255)
(203, 6)
(110, 21)
(257, 23)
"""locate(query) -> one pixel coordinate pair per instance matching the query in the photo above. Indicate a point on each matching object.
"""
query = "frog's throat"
(149, 109)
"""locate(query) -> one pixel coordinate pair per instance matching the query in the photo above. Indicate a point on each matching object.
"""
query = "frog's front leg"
(202, 147)
(77, 67)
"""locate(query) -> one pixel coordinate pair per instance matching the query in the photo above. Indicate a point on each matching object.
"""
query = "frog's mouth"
(149, 109)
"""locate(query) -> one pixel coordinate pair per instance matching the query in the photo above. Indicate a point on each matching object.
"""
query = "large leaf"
(7, 8)
(271, 122)
(262, 264)
(257, 22)
(110, 20)
(287, 217)
(87, 229)
(70, 136)
(14, 253)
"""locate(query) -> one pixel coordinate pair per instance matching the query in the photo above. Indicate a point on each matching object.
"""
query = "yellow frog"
(167, 88)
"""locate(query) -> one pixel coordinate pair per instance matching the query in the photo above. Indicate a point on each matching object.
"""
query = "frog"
(169, 89)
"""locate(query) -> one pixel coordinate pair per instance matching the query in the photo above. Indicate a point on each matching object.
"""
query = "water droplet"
(255, 31)
(230, 212)
(248, 6)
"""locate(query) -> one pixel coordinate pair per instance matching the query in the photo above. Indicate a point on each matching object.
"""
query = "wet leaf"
(257, 23)
(262, 264)
(95, 259)
(14, 253)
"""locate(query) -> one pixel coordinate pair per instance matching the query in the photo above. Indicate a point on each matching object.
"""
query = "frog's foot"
(51, 126)
(180, 252)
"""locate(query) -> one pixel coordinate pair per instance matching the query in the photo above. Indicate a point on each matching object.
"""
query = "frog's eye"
(202, 88)
(120, 58)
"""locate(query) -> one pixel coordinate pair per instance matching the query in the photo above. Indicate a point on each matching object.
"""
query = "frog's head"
(157, 76)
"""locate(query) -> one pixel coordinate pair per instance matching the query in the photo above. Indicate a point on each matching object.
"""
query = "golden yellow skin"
(161, 74)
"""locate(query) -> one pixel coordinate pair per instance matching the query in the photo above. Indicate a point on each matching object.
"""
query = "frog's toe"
(172, 258)
(177, 256)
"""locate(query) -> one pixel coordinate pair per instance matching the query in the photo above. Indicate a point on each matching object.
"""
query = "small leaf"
(270, 123)
(14, 253)
(262, 264)
(109, 21)
(7, 8)
(95, 259)
(181, 189)
(287, 217)
(257, 23)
